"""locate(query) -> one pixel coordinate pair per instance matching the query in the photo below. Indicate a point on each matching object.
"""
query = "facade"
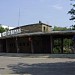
(36, 38)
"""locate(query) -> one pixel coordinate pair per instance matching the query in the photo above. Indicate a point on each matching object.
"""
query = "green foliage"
(56, 50)
(60, 28)
(73, 27)
(6, 29)
(72, 13)
(3, 29)
(57, 45)
(67, 43)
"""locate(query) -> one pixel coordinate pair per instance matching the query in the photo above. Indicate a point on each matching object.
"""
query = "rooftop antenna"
(19, 18)
(19, 29)
(19, 21)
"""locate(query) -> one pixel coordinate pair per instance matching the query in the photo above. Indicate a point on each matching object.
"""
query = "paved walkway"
(36, 66)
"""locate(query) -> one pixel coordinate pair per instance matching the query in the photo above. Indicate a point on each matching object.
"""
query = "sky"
(21, 12)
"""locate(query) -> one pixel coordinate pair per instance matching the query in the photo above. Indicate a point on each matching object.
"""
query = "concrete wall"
(46, 28)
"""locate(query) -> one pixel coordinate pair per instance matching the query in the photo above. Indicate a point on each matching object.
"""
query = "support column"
(0, 46)
(51, 40)
(7, 50)
(32, 47)
(31, 43)
(61, 45)
(17, 45)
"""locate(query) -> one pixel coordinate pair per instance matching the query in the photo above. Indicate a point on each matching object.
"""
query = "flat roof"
(71, 32)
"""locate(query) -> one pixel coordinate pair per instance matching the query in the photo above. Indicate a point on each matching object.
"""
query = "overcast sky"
(53, 12)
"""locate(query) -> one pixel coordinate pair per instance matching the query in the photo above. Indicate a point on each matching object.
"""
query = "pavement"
(36, 66)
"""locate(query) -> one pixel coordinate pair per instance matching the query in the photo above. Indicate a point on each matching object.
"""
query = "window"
(44, 29)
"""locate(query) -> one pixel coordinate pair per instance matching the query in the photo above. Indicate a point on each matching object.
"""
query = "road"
(36, 66)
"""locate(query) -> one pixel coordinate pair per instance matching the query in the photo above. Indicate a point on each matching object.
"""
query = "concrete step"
(38, 55)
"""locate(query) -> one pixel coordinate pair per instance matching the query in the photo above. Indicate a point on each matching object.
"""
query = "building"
(31, 28)
(36, 38)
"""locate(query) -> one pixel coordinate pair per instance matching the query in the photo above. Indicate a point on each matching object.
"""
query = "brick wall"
(36, 28)
(32, 28)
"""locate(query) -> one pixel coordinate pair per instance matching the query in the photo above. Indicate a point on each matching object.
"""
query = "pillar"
(7, 50)
(17, 47)
(32, 50)
(0, 46)
(31, 43)
(61, 45)
(51, 40)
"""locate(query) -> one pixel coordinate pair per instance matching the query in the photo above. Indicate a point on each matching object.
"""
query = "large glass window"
(57, 45)
(67, 45)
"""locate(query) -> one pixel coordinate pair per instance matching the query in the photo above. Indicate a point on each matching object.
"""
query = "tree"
(6, 29)
(3, 29)
(72, 13)
(60, 28)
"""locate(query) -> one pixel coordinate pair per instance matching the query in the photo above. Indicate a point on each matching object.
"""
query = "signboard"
(11, 32)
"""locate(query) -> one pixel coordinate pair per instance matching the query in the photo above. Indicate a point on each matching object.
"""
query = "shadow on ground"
(67, 68)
